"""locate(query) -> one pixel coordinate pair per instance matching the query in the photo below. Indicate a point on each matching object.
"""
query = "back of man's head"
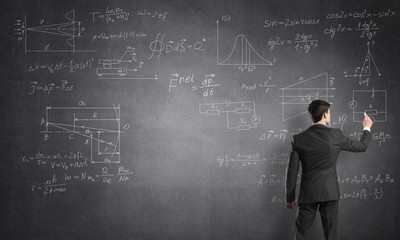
(317, 108)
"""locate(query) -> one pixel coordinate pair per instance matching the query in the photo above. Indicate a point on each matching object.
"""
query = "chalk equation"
(265, 86)
(361, 15)
(340, 121)
(66, 161)
(368, 186)
(161, 46)
(380, 137)
(280, 135)
(359, 194)
(206, 86)
(49, 88)
(66, 167)
(71, 66)
(273, 180)
(153, 14)
(56, 184)
(367, 179)
(367, 29)
(301, 42)
(364, 194)
(110, 15)
(251, 159)
(291, 22)
(125, 36)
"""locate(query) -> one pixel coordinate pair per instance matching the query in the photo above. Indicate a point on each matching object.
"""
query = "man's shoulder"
(335, 129)
(320, 128)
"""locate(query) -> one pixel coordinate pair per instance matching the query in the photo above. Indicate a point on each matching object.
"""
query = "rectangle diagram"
(372, 102)
(239, 115)
(99, 126)
(296, 97)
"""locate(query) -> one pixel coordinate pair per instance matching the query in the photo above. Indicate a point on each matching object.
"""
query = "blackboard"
(173, 119)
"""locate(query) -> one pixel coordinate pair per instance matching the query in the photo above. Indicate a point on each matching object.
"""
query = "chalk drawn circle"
(353, 104)
(256, 119)
(107, 64)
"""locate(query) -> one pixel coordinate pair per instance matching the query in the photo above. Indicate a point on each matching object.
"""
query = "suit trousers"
(306, 212)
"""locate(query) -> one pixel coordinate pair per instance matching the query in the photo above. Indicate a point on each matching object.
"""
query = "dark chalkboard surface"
(173, 119)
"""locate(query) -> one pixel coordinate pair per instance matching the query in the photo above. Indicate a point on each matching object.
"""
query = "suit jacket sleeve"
(292, 173)
(354, 145)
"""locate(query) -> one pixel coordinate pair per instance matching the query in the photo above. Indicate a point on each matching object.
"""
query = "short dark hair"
(317, 108)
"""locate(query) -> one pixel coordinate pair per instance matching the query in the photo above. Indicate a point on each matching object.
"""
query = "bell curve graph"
(242, 53)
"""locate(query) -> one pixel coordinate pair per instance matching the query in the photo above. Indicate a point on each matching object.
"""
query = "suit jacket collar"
(318, 126)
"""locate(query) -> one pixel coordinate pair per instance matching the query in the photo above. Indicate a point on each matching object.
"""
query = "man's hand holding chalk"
(367, 122)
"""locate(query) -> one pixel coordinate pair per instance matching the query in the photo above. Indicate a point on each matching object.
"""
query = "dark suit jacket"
(317, 149)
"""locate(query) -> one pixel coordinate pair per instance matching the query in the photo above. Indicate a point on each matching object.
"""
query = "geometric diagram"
(365, 70)
(100, 127)
(372, 102)
(128, 62)
(296, 96)
(51, 38)
(240, 115)
(242, 54)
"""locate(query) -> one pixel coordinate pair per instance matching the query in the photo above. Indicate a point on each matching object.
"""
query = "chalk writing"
(251, 159)
(126, 35)
(367, 30)
(281, 135)
(303, 42)
(206, 86)
(161, 46)
(290, 22)
(71, 66)
(372, 189)
(111, 15)
(162, 16)
(226, 18)
(361, 15)
(364, 194)
(57, 184)
(62, 86)
(341, 121)
(251, 87)
(40, 158)
(359, 194)
(273, 180)
(71, 166)
(365, 179)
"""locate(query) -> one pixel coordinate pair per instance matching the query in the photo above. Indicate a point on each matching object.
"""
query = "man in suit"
(317, 149)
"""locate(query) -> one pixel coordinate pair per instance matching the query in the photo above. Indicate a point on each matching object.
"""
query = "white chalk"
(365, 114)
